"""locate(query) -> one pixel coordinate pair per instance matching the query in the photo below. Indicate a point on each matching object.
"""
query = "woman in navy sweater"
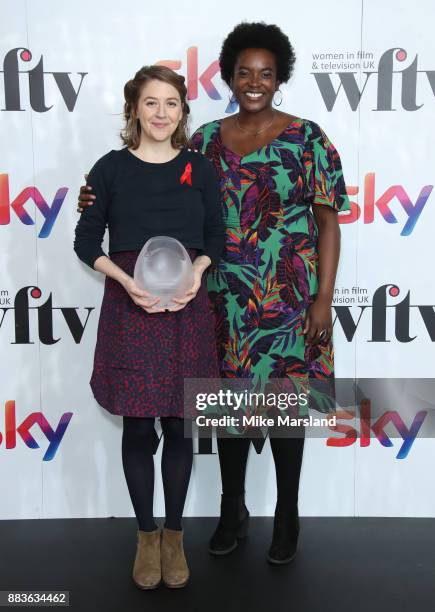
(154, 186)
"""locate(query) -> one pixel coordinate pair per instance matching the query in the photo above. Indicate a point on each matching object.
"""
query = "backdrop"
(366, 73)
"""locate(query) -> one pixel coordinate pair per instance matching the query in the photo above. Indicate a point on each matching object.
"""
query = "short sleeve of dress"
(324, 181)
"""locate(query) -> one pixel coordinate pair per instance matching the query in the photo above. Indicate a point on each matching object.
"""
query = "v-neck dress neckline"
(255, 151)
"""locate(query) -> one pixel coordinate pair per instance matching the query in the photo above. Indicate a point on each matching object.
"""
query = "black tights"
(287, 454)
(138, 444)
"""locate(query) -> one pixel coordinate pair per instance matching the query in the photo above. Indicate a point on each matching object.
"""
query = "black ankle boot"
(233, 525)
(284, 539)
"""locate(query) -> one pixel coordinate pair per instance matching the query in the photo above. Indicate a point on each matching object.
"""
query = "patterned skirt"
(141, 359)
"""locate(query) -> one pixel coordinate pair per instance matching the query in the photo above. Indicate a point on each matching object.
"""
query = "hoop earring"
(280, 101)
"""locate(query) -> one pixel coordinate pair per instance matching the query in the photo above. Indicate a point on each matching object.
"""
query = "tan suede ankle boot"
(175, 572)
(147, 573)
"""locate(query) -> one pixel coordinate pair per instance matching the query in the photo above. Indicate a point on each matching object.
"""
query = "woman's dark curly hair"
(257, 35)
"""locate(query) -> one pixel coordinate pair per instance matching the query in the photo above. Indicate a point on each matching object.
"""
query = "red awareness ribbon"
(186, 177)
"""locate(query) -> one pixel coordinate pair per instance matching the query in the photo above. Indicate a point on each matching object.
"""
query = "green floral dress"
(267, 276)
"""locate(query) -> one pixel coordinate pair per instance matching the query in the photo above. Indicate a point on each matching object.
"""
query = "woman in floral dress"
(282, 185)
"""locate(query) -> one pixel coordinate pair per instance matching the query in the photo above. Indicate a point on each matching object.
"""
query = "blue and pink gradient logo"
(194, 78)
(49, 212)
(367, 427)
(372, 205)
(54, 436)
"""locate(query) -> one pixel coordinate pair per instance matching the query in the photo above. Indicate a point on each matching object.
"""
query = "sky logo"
(49, 212)
(54, 436)
(367, 427)
(382, 204)
(194, 79)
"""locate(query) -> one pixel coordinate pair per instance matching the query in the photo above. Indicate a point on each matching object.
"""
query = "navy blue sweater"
(138, 200)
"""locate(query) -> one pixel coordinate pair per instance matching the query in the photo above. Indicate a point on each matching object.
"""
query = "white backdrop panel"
(51, 151)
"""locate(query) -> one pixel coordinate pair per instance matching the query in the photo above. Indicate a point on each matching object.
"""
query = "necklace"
(256, 132)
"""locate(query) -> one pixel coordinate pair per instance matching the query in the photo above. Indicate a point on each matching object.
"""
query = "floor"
(349, 564)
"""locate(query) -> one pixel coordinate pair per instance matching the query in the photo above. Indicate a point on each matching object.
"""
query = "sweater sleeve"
(91, 226)
(214, 231)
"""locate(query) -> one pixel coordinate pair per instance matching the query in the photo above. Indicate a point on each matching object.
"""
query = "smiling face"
(159, 110)
(254, 80)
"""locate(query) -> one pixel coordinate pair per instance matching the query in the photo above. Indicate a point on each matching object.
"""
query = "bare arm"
(319, 315)
(329, 250)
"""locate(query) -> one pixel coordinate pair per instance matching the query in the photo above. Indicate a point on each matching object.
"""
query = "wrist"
(201, 263)
(198, 272)
(324, 299)
(123, 279)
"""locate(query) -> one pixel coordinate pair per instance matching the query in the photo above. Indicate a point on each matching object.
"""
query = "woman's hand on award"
(141, 298)
(318, 322)
(190, 294)
(86, 198)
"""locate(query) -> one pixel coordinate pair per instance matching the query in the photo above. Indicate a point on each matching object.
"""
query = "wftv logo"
(11, 78)
(17, 205)
(21, 314)
(383, 204)
(378, 313)
(54, 436)
(385, 78)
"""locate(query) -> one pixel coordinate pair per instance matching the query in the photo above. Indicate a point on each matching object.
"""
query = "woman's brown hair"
(131, 133)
